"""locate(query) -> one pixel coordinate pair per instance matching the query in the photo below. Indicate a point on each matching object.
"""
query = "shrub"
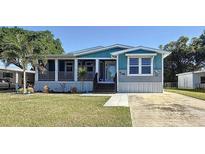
(46, 89)
(30, 90)
(73, 90)
(20, 91)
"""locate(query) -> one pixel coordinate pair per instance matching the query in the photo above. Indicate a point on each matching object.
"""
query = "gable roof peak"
(163, 52)
(93, 50)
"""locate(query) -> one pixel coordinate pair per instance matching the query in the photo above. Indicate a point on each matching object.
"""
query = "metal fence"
(170, 84)
(201, 86)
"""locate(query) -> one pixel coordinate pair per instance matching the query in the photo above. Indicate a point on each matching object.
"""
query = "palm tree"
(82, 73)
(21, 47)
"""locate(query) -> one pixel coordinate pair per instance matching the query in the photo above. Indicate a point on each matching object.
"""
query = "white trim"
(64, 81)
(56, 69)
(75, 70)
(101, 49)
(17, 81)
(152, 65)
(36, 73)
(86, 58)
(94, 58)
(15, 69)
(140, 67)
(65, 66)
(142, 48)
(61, 58)
(141, 55)
(165, 55)
(163, 73)
(105, 82)
(97, 66)
(194, 72)
(117, 71)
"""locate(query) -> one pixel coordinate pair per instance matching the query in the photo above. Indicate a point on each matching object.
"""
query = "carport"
(15, 75)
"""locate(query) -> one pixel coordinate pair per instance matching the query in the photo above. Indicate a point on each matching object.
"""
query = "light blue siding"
(122, 62)
(101, 54)
(141, 51)
(123, 59)
(157, 69)
(157, 63)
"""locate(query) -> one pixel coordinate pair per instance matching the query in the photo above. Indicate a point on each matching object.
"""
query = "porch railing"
(46, 76)
(88, 77)
(65, 76)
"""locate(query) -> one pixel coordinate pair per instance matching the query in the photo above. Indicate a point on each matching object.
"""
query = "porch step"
(105, 87)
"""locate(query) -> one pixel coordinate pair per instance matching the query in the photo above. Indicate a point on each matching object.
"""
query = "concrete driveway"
(166, 109)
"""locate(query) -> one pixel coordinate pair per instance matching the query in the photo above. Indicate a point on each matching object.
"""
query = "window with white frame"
(69, 66)
(133, 65)
(140, 66)
(89, 66)
(146, 65)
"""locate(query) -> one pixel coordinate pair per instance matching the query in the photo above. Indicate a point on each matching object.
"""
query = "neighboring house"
(15, 75)
(191, 80)
(117, 68)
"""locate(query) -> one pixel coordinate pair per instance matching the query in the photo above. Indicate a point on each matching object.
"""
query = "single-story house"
(191, 80)
(15, 75)
(115, 68)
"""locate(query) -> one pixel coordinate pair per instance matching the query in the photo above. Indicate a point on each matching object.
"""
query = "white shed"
(191, 80)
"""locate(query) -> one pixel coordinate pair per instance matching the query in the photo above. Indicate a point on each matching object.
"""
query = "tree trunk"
(24, 81)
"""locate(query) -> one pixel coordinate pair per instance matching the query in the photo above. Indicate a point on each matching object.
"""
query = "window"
(140, 66)
(7, 75)
(68, 66)
(133, 65)
(146, 65)
(203, 79)
(89, 66)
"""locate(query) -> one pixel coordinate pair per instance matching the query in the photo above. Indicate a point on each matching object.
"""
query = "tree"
(186, 56)
(21, 47)
(180, 60)
(82, 73)
(198, 46)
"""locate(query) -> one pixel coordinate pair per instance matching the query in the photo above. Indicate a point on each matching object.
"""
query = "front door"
(110, 70)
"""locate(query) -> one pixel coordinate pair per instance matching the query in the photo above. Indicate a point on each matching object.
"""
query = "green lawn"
(67, 110)
(198, 93)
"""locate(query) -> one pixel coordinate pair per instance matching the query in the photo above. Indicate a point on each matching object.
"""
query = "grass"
(196, 93)
(52, 110)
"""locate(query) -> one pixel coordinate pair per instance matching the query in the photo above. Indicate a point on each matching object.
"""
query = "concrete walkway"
(118, 100)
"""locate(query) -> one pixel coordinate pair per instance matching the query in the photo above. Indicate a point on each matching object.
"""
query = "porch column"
(117, 71)
(75, 69)
(17, 81)
(97, 66)
(56, 69)
(36, 73)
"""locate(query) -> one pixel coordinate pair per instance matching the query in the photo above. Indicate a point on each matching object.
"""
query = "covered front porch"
(98, 71)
